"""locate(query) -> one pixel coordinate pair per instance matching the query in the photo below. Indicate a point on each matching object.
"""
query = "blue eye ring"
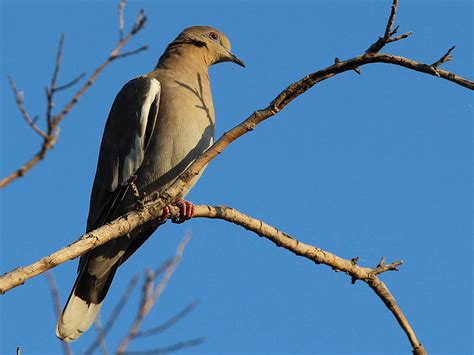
(213, 35)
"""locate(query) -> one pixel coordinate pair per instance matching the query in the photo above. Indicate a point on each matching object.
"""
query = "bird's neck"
(185, 57)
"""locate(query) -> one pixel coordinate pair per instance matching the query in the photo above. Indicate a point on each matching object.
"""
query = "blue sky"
(373, 165)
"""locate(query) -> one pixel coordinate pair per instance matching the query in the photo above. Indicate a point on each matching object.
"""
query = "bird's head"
(214, 44)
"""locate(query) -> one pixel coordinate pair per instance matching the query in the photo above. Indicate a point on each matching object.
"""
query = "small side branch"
(19, 102)
(445, 58)
(389, 32)
(169, 323)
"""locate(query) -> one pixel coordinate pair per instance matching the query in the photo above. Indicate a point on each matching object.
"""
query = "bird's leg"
(139, 199)
(164, 215)
(186, 211)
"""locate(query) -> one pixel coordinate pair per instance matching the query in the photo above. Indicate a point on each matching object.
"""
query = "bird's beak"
(233, 58)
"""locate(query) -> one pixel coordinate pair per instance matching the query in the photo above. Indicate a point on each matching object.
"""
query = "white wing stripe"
(134, 159)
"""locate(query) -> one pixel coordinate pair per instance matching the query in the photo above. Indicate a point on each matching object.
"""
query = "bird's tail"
(83, 304)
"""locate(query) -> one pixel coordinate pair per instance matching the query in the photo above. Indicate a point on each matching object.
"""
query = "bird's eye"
(214, 36)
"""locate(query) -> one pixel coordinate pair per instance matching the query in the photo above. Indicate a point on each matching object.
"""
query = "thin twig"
(400, 37)
(19, 101)
(445, 58)
(57, 307)
(50, 90)
(101, 335)
(162, 268)
(168, 323)
(129, 53)
(115, 313)
(121, 7)
(170, 348)
(70, 84)
(382, 41)
(150, 296)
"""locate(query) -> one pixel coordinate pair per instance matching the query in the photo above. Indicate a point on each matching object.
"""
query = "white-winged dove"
(158, 124)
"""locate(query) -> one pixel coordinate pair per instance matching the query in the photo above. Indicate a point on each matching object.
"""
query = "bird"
(159, 123)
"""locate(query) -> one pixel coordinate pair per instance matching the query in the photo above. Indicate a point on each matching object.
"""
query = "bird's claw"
(164, 214)
(186, 211)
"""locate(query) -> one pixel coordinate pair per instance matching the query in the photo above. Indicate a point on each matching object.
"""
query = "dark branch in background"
(170, 348)
(113, 317)
(51, 133)
(169, 323)
(150, 277)
(152, 210)
(100, 335)
(57, 307)
(151, 294)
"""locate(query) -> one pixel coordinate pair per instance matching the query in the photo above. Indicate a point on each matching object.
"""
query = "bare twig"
(129, 53)
(101, 335)
(121, 7)
(169, 323)
(151, 295)
(57, 307)
(400, 37)
(445, 58)
(115, 313)
(70, 84)
(386, 38)
(19, 101)
(170, 348)
(52, 120)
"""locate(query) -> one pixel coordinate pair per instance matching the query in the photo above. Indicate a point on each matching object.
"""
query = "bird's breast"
(183, 131)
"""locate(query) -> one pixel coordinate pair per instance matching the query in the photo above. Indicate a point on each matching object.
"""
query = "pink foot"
(186, 211)
(164, 214)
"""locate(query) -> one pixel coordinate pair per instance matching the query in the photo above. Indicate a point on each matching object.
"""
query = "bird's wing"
(126, 137)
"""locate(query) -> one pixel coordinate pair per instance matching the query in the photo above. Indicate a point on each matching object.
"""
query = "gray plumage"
(159, 123)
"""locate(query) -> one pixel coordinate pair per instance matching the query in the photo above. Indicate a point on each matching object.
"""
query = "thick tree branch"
(279, 238)
(319, 256)
(52, 121)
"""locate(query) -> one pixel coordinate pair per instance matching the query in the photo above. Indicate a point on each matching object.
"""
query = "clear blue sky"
(373, 165)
